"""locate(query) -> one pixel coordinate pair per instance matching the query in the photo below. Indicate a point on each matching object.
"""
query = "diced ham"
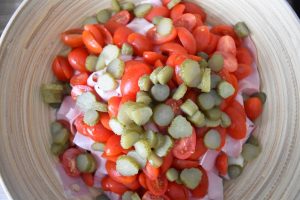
(207, 161)
(215, 188)
(153, 2)
(140, 25)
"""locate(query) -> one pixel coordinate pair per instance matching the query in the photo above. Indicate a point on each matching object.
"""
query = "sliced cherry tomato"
(201, 131)
(253, 108)
(165, 2)
(158, 39)
(69, 162)
(157, 11)
(236, 105)
(244, 56)
(226, 44)
(199, 21)
(116, 176)
(172, 85)
(149, 196)
(192, 94)
(140, 43)
(212, 45)
(77, 59)
(158, 186)
(200, 149)
(62, 69)
(187, 40)
(72, 38)
(79, 79)
(110, 158)
(120, 19)
(187, 21)
(177, 11)
(158, 63)
(113, 147)
(121, 35)
(151, 172)
(195, 9)
(142, 180)
(127, 98)
(92, 38)
(243, 71)
(108, 184)
(168, 160)
(230, 62)
(222, 163)
(183, 164)
(178, 192)
(135, 185)
(107, 37)
(113, 106)
(223, 133)
(202, 36)
(185, 147)
(202, 189)
(175, 104)
(237, 129)
(104, 119)
(151, 57)
(172, 47)
(88, 179)
(222, 30)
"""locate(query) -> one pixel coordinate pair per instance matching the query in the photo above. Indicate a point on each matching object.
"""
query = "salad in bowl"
(154, 103)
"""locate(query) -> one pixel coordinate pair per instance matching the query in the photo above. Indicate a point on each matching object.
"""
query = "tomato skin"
(185, 147)
(201, 132)
(168, 160)
(223, 133)
(104, 119)
(121, 35)
(149, 196)
(113, 106)
(244, 56)
(173, 47)
(202, 36)
(151, 172)
(237, 129)
(108, 184)
(156, 39)
(120, 19)
(175, 104)
(135, 185)
(157, 11)
(158, 186)
(127, 98)
(107, 37)
(151, 57)
(187, 39)
(140, 43)
(92, 38)
(69, 162)
(72, 38)
(200, 149)
(142, 180)
(110, 158)
(202, 189)
(187, 21)
(113, 147)
(253, 108)
(226, 44)
(88, 179)
(243, 71)
(177, 11)
(183, 164)
(222, 30)
(116, 176)
(79, 79)
(212, 45)
(222, 163)
(77, 59)
(195, 9)
(62, 69)
(178, 192)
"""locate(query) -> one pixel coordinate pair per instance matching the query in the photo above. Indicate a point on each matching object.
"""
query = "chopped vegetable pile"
(153, 103)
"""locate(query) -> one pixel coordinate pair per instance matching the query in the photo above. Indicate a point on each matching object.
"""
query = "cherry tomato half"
(185, 147)
(122, 18)
(222, 163)
(108, 184)
(79, 79)
(140, 43)
(195, 9)
(69, 162)
(77, 59)
(113, 106)
(121, 35)
(168, 160)
(149, 196)
(200, 149)
(202, 36)
(183, 164)
(116, 176)
(62, 69)
(178, 192)
(187, 40)
(72, 38)
(157, 11)
(202, 189)
(113, 147)
(158, 186)
(158, 39)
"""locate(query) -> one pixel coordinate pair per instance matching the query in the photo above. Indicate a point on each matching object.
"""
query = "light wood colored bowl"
(31, 41)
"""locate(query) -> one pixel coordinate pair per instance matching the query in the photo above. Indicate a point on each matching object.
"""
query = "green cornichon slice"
(116, 126)
(99, 106)
(103, 16)
(164, 27)
(165, 75)
(216, 62)
(155, 160)
(160, 92)
(212, 139)
(190, 73)
(203, 55)
(236, 161)
(206, 101)
(160, 140)
(134, 127)
(100, 63)
(225, 120)
(234, 171)
(151, 138)
(127, 6)
(141, 10)
(127, 166)
(85, 101)
(153, 75)
(141, 115)
(205, 82)
(241, 30)
(127, 195)
(91, 117)
(102, 197)
(55, 128)
(57, 149)
(143, 148)
(52, 93)
(127, 49)
(212, 123)
(116, 68)
(180, 92)
(90, 63)
(140, 160)
(84, 162)
(172, 174)
(145, 83)
(180, 128)
(115, 5)
(98, 146)
(261, 95)
(189, 107)
(191, 177)
(62, 137)
(129, 138)
(225, 89)
(135, 196)
(156, 19)
(164, 149)
(107, 82)
(110, 52)
(143, 97)
(215, 80)
(122, 114)
(198, 119)
(214, 114)
(90, 20)
(203, 64)
(55, 105)
(173, 3)
(217, 98)
(253, 140)
(250, 152)
(163, 114)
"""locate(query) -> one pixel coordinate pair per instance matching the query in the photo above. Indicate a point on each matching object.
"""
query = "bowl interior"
(31, 42)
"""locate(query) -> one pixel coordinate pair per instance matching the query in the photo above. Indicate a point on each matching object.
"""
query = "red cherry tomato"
(168, 160)
(104, 119)
(151, 57)
(202, 189)
(116, 176)
(107, 37)
(223, 133)
(212, 45)
(110, 158)
(157, 11)
(244, 56)
(72, 38)
(222, 163)
(108, 184)
(158, 63)
(222, 30)
(149, 196)
(127, 98)
(79, 79)
(158, 39)
(243, 71)
(151, 172)
(173, 47)
(140, 43)
(113, 147)
(238, 128)
(92, 38)
(202, 36)
(77, 59)
(121, 35)
(199, 21)
(195, 9)
(226, 44)
(177, 11)
(175, 104)
(69, 162)
(192, 94)
(62, 69)
(113, 106)
(200, 149)
(88, 179)
(178, 192)
(185, 147)
(253, 107)
(120, 19)
(187, 21)
(201, 131)
(158, 186)
(183, 164)
(142, 180)
(187, 40)
(135, 185)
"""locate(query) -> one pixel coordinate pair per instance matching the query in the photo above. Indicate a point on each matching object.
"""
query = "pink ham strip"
(140, 25)
(215, 188)
(207, 161)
